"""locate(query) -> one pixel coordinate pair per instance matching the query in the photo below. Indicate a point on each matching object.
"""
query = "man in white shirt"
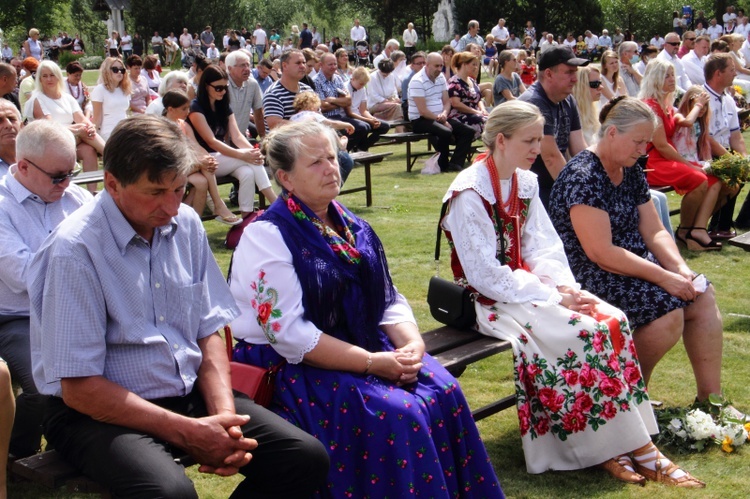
(547, 43)
(729, 15)
(715, 31)
(429, 106)
(157, 45)
(657, 41)
(742, 27)
(213, 53)
(260, 40)
(591, 41)
(316, 36)
(605, 42)
(570, 41)
(695, 60)
(357, 33)
(7, 53)
(274, 51)
(501, 34)
(390, 46)
(669, 54)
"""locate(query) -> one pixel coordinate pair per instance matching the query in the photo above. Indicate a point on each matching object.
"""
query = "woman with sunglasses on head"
(50, 101)
(111, 97)
(214, 125)
(618, 249)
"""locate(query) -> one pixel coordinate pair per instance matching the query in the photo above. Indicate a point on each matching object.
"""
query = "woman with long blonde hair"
(612, 85)
(587, 92)
(111, 97)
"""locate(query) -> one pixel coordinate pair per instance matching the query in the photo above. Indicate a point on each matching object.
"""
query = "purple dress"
(383, 440)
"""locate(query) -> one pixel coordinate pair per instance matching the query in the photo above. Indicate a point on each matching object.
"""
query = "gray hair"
(507, 118)
(147, 144)
(6, 105)
(235, 58)
(626, 46)
(624, 113)
(170, 79)
(283, 145)
(40, 136)
(392, 43)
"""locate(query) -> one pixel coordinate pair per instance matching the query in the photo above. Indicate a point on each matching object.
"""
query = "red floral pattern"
(264, 304)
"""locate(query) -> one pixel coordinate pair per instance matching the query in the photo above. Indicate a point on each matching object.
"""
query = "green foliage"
(91, 62)
(26, 14)
(558, 17)
(646, 17)
(66, 57)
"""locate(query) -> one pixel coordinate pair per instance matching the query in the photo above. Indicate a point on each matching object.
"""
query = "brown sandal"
(617, 468)
(662, 474)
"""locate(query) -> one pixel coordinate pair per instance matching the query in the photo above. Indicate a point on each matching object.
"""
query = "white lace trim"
(477, 179)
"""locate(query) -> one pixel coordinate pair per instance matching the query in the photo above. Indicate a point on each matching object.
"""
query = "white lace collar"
(477, 179)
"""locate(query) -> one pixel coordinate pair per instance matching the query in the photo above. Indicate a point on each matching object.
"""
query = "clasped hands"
(400, 366)
(578, 301)
(217, 443)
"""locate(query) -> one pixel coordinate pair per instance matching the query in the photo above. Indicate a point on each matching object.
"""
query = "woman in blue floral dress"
(581, 397)
(313, 284)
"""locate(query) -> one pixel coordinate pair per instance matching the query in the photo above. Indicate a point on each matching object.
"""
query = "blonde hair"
(652, 85)
(507, 118)
(306, 101)
(587, 108)
(361, 74)
(56, 71)
(686, 105)
(33, 31)
(109, 82)
(610, 54)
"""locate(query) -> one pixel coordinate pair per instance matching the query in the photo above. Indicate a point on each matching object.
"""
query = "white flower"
(700, 425)
(735, 432)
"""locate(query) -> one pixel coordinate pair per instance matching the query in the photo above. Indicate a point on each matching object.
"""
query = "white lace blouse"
(262, 254)
(474, 239)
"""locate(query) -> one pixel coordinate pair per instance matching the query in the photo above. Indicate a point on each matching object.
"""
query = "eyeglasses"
(690, 39)
(118, 70)
(674, 44)
(60, 178)
(219, 88)
(595, 84)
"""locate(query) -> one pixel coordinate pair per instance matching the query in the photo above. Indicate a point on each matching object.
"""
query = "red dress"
(666, 171)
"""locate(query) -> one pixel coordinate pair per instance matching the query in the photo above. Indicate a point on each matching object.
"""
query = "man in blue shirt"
(305, 38)
(262, 74)
(126, 299)
(35, 196)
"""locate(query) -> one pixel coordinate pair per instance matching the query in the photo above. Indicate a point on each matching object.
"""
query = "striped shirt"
(432, 91)
(279, 101)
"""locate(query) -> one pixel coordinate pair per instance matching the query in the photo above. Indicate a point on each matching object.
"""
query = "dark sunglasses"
(595, 84)
(57, 179)
(118, 70)
(690, 39)
(219, 88)
(674, 44)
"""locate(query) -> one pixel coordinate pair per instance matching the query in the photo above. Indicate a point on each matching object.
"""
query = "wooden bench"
(741, 241)
(366, 159)
(405, 138)
(85, 178)
(456, 349)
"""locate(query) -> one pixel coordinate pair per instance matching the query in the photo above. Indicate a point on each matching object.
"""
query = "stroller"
(362, 53)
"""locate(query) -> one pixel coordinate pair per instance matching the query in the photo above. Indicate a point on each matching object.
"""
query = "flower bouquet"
(695, 428)
(731, 168)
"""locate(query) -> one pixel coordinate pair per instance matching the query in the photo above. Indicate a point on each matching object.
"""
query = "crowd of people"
(554, 228)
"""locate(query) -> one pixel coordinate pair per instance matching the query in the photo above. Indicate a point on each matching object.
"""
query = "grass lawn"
(404, 214)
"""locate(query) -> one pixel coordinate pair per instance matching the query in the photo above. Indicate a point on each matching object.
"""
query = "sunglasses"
(118, 70)
(674, 44)
(690, 39)
(595, 84)
(57, 179)
(219, 88)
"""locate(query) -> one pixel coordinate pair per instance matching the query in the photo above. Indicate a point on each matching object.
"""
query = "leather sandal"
(617, 468)
(694, 244)
(661, 474)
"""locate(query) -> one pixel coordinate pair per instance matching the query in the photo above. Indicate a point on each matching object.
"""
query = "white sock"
(649, 461)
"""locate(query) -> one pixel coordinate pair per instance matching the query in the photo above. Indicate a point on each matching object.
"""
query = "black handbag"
(451, 304)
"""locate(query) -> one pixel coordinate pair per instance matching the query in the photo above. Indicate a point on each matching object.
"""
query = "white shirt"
(745, 50)
(213, 53)
(316, 38)
(357, 33)
(728, 17)
(742, 29)
(432, 91)
(409, 37)
(724, 118)
(260, 37)
(501, 34)
(186, 41)
(682, 80)
(570, 43)
(546, 45)
(591, 41)
(657, 42)
(694, 67)
(715, 31)
(454, 43)
(7, 53)
(157, 40)
(126, 42)
(262, 249)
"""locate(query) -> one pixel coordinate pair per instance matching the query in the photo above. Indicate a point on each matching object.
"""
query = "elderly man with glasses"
(35, 196)
(669, 54)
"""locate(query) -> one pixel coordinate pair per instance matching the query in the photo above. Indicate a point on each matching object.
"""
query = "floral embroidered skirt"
(383, 440)
(581, 396)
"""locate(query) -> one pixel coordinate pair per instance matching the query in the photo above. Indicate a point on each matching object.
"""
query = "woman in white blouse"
(111, 97)
(505, 250)
(50, 101)
(382, 93)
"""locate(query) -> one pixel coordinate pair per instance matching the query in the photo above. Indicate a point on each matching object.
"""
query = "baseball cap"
(560, 55)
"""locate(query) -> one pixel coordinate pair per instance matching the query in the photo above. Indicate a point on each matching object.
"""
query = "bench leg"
(409, 162)
(368, 184)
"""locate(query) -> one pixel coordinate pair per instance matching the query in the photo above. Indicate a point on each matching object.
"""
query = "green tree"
(646, 17)
(18, 16)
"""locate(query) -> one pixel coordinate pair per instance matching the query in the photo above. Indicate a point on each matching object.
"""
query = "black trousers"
(287, 462)
(440, 138)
